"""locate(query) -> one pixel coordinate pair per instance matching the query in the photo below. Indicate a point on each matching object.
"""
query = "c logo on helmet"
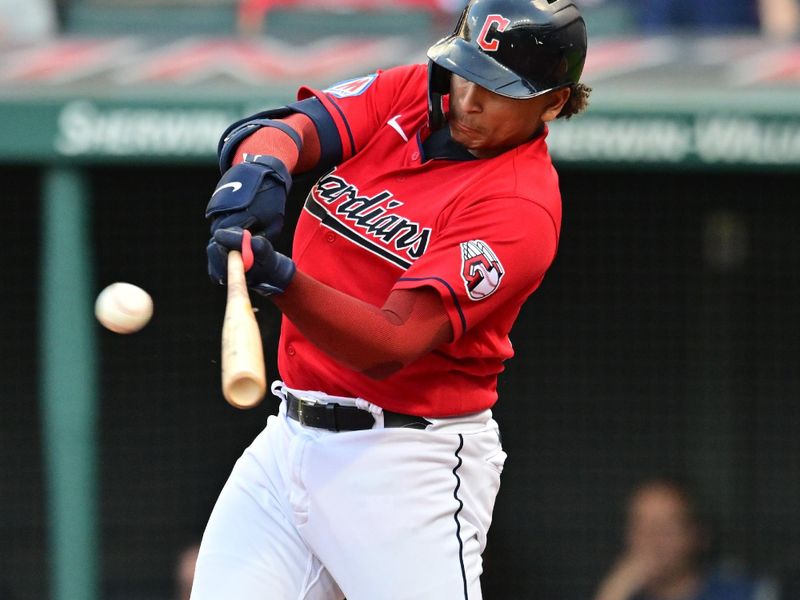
(483, 41)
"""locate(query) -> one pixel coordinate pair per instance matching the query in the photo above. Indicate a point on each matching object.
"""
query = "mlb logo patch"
(481, 270)
(351, 87)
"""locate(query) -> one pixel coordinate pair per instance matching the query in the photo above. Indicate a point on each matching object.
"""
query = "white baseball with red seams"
(123, 307)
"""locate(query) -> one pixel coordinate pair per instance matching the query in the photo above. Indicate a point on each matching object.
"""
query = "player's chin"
(481, 148)
(462, 134)
(470, 140)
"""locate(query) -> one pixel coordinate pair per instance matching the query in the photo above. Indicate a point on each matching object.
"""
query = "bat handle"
(244, 379)
(237, 285)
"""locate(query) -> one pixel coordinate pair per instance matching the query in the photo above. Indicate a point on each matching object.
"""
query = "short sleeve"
(359, 107)
(488, 257)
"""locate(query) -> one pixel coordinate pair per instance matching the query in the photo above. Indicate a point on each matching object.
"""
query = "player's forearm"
(274, 142)
(372, 340)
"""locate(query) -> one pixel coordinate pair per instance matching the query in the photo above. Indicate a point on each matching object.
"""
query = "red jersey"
(407, 209)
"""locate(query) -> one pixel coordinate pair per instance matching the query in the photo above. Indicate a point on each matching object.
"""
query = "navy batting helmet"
(515, 48)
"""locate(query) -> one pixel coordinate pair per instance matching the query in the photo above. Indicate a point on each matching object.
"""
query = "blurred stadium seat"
(608, 18)
(306, 20)
(310, 24)
(155, 17)
(298, 20)
(26, 20)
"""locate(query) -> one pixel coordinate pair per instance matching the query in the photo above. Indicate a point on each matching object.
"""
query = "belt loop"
(330, 408)
(278, 389)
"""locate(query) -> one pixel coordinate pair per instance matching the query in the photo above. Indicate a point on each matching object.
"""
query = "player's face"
(488, 124)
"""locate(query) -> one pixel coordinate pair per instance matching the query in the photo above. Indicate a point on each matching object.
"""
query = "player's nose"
(471, 97)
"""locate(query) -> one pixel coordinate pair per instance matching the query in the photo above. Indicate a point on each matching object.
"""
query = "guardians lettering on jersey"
(370, 221)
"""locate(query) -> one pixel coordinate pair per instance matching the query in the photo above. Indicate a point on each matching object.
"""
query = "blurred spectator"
(184, 571)
(26, 20)
(667, 548)
(780, 19)
(777, 18)
(253, 13)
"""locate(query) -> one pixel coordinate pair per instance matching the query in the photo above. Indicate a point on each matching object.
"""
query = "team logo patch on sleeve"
(351, 87)
(480, 269)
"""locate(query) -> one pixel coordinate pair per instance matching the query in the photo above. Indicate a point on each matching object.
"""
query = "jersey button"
(415, 156)
(290, 350)
(330, 237)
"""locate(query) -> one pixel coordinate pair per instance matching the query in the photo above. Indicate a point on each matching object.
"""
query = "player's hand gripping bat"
(244, 379)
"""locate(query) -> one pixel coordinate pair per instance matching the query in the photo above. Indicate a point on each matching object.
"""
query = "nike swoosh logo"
(234, 185)
(396, 126)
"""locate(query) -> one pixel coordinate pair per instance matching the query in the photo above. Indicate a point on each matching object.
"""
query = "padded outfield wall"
(665, 337)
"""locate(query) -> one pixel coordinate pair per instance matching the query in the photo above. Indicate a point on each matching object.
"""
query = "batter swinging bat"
(244, 380)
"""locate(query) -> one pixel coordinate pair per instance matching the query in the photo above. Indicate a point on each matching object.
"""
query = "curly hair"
(578, 100)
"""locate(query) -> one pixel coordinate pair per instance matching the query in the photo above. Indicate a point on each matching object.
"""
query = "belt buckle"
(308, 413)
(304, 411)
(312, 412)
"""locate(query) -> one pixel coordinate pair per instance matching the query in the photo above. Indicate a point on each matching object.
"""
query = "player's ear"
(555, 102)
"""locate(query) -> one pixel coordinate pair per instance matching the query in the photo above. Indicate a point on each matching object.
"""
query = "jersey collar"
(439, 144)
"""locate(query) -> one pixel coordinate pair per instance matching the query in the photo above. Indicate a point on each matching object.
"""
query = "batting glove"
(267, 271)
(251, 195)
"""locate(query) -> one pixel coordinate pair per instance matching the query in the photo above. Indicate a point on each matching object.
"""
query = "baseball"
(123, 307)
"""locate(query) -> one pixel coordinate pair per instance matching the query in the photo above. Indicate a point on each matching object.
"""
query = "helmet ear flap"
(438, 86)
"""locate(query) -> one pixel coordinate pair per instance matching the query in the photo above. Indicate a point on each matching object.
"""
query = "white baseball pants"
(379, 514)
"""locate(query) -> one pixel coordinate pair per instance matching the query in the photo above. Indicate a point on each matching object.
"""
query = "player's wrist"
(267, 271)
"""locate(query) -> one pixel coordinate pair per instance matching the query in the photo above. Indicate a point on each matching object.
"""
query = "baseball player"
(437, 214)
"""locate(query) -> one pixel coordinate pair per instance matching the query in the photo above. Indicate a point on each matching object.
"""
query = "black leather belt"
(337, 417)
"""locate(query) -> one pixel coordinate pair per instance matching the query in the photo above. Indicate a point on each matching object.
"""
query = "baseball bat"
(244, 379)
